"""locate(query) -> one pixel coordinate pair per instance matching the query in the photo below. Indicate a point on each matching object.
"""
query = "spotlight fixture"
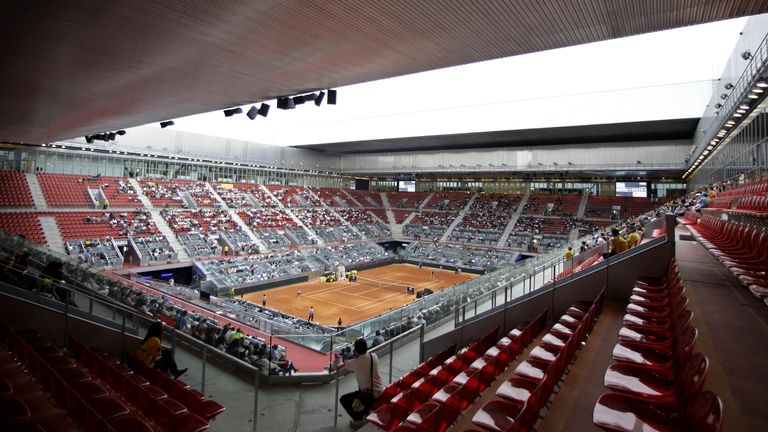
(120, 132)
(728, 86)
(746, 55)
(331, 97)
(252, 113)
(762, 83)
(285, 103)
(718, 105)
(264, 110)
(89, 139)
(232, 111)
(298, 100)
(724, 96)
(165, 124)
(319, 98)
(111, 136)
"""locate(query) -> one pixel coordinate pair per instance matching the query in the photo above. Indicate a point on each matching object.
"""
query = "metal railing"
(539, 276)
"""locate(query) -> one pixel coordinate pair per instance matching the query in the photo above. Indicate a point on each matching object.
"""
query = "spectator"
(569, 253)
(151, 352)
(584, 247)
(378, 339)
(633, 239)
(181, 321)
(618, 243)
(366, 368)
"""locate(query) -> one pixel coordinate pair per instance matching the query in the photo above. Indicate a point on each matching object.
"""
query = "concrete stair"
(582, 205)
(269, 194)
(458, 219)
(351, 198)
(37, 192)
(143, 198)
(511, 224)
(169, 234)
(393, 228)
(335, 213)
(216, 195)
(52, 234)
(426, 200)
(244, 227)
(306, 228)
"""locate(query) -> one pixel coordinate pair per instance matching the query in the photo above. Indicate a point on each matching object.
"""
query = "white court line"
(359, 307)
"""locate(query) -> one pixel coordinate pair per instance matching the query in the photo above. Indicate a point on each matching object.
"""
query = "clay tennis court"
(356, 301)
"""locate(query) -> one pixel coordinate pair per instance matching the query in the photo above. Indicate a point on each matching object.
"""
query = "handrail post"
(205, 354)
(66, 321)
(336, 400)
(122, 336)
(422, 332)
(255, 399)
(391, 357)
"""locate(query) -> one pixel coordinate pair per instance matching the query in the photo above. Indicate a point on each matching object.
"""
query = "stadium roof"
(79, 67)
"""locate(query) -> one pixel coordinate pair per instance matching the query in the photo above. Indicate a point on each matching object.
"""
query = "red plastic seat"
(641, 381)
(24, 425)
(5, 387)
(388, 416)
(500, 416)
(664, 361)
(522, 390)
(109, 407)
(432, 416)
(12, 409)
(456, 396)
(90, 390)
(624, 413)
(207, 409)
(130, 423)
(411, 399)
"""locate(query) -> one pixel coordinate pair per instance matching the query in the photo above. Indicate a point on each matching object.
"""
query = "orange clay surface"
(356, 301)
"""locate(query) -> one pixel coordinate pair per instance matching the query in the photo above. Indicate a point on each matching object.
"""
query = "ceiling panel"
(84, 66)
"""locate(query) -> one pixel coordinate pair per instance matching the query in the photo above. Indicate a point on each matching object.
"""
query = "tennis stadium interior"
(483, 266)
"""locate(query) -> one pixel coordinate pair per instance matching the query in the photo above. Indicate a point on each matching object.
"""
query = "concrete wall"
(148, 138)
(602, 154)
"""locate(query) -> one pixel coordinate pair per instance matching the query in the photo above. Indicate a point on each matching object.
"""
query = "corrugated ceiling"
(84, 66)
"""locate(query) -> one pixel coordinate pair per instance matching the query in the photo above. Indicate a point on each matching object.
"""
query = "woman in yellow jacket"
(151, 352)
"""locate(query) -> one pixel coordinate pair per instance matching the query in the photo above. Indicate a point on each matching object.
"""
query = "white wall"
(658, 153)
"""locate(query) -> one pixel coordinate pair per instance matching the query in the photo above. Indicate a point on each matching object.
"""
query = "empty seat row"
(656, 377)
(519, 399)
(15, 190)
(742, 248)
(757, 186)
(435, 400)
(163, 404)
(92, 406)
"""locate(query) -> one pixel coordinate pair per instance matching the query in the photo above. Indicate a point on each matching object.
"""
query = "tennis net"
(383, 284)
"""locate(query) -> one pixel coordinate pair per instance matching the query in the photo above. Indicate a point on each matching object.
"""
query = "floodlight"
(252, 113)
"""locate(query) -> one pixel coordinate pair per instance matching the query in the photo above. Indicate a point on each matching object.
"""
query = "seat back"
(691, 379)
(706, 413)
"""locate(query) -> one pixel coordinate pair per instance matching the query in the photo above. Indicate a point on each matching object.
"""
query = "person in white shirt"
(366, 369)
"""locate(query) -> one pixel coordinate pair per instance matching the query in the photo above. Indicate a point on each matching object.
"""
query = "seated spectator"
(151, 352)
